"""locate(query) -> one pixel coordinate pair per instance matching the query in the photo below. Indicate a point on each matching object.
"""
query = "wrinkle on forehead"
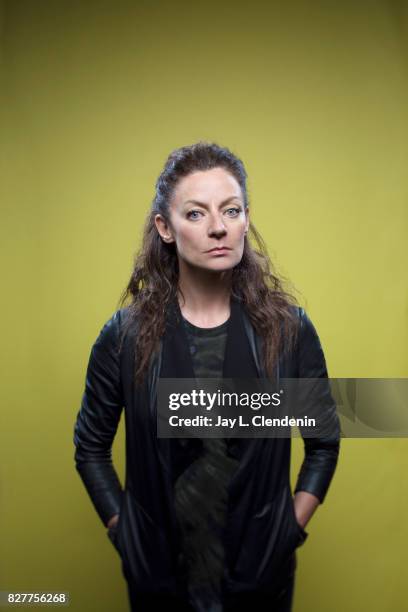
(207, 186)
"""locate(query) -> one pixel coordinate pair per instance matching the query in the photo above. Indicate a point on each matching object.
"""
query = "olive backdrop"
(313, 96)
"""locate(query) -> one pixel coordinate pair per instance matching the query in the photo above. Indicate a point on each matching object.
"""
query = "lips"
(218, 249)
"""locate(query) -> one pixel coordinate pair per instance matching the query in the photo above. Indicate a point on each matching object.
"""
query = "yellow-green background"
(313, 96)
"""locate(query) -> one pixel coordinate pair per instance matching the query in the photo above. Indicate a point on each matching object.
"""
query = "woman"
(207, 524)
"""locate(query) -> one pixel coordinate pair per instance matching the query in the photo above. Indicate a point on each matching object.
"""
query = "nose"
(217, 226)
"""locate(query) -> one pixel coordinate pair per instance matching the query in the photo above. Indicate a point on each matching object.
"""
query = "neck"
(206, 295)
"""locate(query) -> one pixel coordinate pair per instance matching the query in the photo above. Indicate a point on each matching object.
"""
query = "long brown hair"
(154, 280)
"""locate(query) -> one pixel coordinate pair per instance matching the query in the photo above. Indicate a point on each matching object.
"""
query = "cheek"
(187, 238)
(239, 230)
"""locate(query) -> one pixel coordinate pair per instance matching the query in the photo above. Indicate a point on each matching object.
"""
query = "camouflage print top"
(201, 491)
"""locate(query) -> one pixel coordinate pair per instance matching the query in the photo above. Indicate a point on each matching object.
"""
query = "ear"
(247, 219)
(163, 228)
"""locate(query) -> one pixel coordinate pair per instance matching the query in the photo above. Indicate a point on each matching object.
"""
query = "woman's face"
(207, 212)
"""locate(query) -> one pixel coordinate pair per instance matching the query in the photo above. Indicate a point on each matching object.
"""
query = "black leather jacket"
(263, 530)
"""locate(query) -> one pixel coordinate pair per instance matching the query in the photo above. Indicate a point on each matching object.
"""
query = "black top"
(201, 491)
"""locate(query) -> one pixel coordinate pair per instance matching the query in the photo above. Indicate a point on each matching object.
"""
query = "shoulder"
(302, 318)
(111, 329)
(118, 319)
(310, 351)
(306, 336)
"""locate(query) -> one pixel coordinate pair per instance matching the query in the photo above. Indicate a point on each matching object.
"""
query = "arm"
(321, 454)
(97, 422)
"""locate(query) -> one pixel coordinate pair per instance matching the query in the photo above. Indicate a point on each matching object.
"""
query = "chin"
(219, 265)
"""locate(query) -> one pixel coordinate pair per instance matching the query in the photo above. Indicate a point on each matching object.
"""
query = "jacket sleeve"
(97, 422)
(321, 454)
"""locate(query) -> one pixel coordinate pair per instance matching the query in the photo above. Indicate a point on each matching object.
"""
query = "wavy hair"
(154, 279)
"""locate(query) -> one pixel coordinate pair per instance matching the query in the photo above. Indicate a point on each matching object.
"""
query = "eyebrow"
(206, 205)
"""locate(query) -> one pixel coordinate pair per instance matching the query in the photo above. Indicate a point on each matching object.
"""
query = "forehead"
(206, 185)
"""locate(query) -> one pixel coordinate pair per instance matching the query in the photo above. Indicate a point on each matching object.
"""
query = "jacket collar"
(174, 361)
(241, 351)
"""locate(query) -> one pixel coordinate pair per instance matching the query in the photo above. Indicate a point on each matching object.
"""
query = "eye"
(235, 210)
(191, 212)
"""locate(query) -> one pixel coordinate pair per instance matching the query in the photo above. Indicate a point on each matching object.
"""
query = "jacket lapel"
(240, 356)
(241, 361)
(176, 357)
